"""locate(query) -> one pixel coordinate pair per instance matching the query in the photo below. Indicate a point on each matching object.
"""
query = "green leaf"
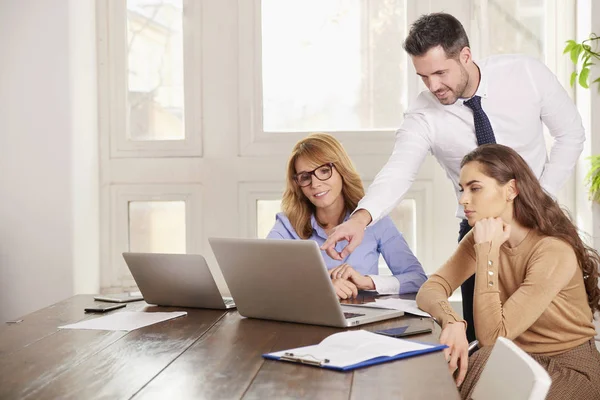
(569, 46)
(592, 178)
(573, 77)
(575, 52)
(583, 77)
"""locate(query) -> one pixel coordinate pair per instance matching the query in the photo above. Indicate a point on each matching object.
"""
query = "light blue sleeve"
(279, 230)
(399, 258)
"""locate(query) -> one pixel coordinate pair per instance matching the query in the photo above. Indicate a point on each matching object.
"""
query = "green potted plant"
(584, 54)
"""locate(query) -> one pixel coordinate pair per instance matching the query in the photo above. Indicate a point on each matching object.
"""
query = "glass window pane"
(157, 226)
(332, 64)
(517, 26)
(155, 66)
(265, 216)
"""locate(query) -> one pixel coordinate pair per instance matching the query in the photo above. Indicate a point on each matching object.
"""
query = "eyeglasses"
(322, 173)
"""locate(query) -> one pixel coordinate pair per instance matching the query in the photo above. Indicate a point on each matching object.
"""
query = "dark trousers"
(467, 289)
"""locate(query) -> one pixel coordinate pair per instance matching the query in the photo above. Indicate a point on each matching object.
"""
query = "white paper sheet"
(408, 306)
(125, 321)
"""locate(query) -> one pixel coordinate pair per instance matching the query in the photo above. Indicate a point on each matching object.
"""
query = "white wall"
(48, 154)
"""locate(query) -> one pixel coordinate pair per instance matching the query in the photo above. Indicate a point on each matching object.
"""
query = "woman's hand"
(493, 230)
(345, 289)
(345, 271)
(457, 354)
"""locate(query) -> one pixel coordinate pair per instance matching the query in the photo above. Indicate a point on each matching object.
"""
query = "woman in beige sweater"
(536, 281)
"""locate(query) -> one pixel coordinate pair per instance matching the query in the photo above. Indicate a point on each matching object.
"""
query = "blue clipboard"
(289, 357)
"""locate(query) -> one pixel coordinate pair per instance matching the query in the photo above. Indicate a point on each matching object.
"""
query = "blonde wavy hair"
(319, 148)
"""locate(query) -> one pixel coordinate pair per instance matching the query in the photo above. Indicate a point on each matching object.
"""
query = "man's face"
(446, 78)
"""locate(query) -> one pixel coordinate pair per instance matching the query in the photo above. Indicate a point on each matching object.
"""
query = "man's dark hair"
(437, 29)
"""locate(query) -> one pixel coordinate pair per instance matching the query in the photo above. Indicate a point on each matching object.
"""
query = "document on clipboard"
(349, 350)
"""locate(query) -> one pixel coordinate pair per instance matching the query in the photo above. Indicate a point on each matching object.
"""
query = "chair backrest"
(510, 373)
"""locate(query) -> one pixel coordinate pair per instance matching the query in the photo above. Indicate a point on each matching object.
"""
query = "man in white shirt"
(513, 96)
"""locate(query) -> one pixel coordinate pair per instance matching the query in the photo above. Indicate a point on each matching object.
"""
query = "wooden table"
(208, 354)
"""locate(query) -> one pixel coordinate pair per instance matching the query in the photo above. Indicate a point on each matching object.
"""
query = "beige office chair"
(510, 373)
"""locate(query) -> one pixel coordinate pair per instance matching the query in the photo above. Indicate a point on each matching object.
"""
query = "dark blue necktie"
(483, 128)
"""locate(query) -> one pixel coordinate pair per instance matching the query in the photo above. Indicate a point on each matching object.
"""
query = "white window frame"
(254, 141)
(227, 161)
(120, 197)
(112, 69)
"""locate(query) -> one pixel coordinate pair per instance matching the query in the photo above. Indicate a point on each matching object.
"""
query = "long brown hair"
(319, 148)
(535, 209)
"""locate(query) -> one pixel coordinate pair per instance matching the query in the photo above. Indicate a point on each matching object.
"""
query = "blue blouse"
(380, 238)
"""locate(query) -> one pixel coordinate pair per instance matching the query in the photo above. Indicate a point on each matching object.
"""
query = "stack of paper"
(354, 349)
(408, 306)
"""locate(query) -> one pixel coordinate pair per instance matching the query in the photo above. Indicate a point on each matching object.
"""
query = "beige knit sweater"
(532, 294)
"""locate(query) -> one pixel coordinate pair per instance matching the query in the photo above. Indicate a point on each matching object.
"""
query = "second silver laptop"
(179, 280)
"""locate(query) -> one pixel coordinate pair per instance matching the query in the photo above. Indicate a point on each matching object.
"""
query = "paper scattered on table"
(408, 306)
(352, 347)
(125, 321)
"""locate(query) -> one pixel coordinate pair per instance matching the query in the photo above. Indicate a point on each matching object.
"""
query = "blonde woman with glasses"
(322, 188)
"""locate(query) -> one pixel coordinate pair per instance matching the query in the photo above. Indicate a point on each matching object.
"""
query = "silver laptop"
(286, 280)
(179, 280)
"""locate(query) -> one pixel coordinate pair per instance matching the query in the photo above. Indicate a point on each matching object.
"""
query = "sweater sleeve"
(433, 295)
(550, 268)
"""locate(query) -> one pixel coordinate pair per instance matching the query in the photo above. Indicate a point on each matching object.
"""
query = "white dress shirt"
(517, 93)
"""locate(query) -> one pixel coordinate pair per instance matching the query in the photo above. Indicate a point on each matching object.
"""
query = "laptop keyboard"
(349, 315)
